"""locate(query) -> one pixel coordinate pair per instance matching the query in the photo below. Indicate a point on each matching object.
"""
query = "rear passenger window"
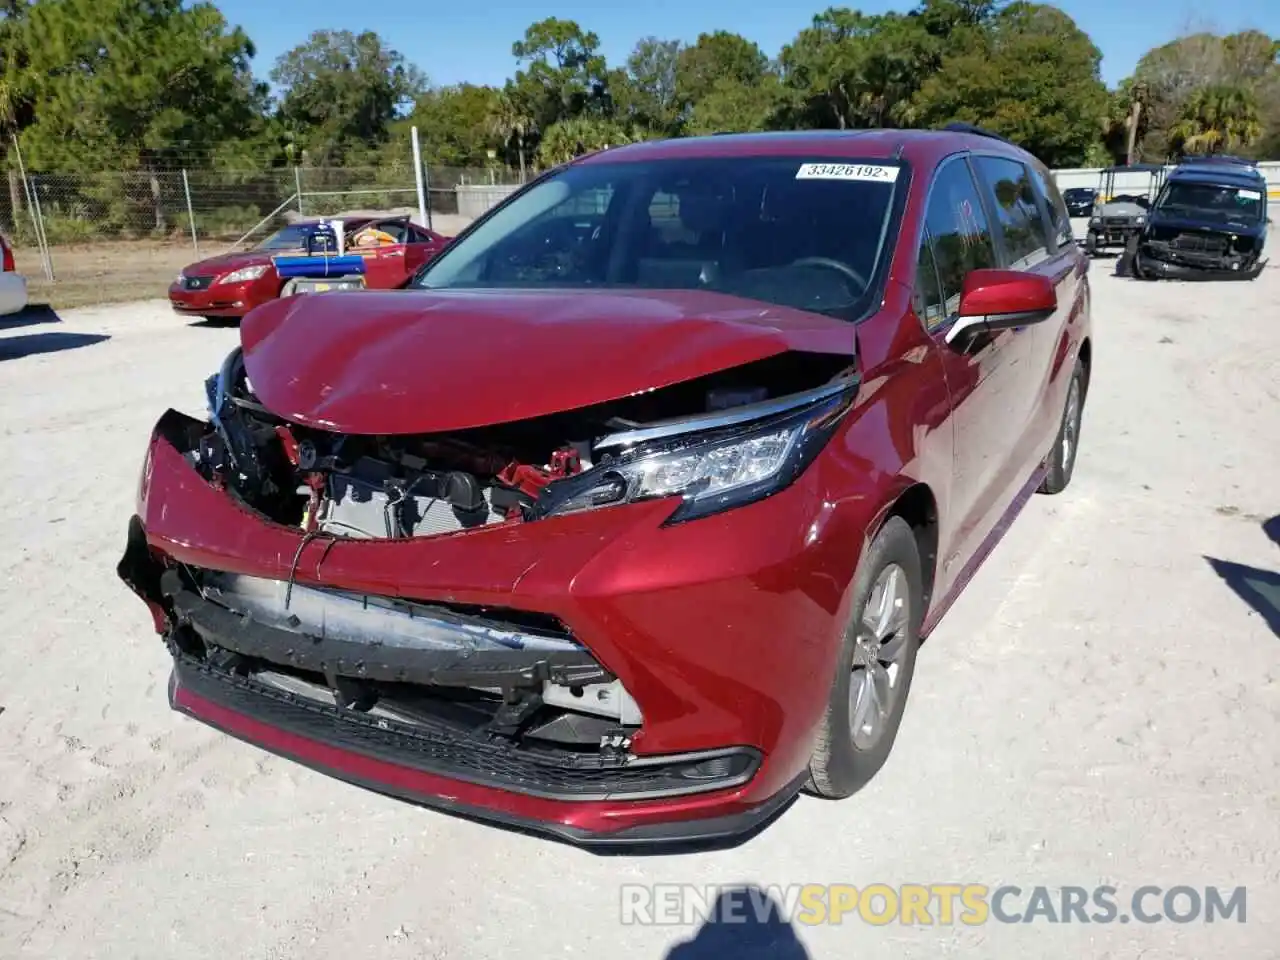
(958, 239)
(1059, 218)
(1026, 238)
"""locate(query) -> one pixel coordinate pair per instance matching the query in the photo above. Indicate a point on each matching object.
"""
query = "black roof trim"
(1216, 158)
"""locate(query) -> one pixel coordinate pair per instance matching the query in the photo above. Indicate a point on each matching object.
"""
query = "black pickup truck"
(1208, 223)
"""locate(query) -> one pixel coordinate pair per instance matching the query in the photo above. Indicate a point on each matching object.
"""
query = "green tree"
(571, 138)
(1176, 72)
(1033, 76)
(1217, 119)
(341, 91)
(132, 85)
(718, 58)
(731, 107)
(646, 92)
(848, 69)
(453, 124)
(511, 125)
(562, 73)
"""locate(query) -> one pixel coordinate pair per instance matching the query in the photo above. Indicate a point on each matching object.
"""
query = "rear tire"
(1062, 458)
(857, 734)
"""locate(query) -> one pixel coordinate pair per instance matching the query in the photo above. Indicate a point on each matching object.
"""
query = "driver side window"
(957, 239)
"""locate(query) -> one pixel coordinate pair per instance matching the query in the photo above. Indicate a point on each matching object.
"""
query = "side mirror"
(993, 300)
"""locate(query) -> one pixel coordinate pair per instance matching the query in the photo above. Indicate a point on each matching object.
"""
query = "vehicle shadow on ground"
(1260, 589)
(215, 323)
(32, 315)
(746, 923)
(12, 348)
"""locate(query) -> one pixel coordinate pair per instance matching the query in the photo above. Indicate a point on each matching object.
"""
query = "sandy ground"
(1100, 707)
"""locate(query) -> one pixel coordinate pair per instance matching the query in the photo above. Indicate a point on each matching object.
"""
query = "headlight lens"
(243, 274)
(180, 278)
(712, 472)
(1140, 220)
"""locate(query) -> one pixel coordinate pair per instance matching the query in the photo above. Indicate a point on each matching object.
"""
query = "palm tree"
(1216, 119)
(509, 122)
(1138, 94)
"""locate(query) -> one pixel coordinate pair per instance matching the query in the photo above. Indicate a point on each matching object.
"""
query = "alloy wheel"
(1071, 425)
(877, 657)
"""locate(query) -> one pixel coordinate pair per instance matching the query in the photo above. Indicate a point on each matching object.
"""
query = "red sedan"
(625, 522)
(230, 285)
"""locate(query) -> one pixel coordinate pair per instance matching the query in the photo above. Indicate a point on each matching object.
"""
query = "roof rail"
(959, 127)
(1216, 158)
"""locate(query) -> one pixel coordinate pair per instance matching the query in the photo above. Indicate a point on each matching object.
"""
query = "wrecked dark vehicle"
(623, 523)
(1208, 223)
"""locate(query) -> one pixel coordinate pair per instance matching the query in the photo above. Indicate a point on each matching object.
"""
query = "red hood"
(216, 266)
(429, 362)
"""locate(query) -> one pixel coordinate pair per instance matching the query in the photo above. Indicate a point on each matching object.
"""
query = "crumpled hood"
(434, 361)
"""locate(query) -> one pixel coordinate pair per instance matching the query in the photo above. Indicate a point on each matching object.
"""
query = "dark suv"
(625, 520)
(1080, 200)
(1209, 222)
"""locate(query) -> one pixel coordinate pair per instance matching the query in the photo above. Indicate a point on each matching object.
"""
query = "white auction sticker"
(880, 173)
(1250, 194)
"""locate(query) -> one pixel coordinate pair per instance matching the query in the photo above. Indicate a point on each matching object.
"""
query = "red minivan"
(624, 522)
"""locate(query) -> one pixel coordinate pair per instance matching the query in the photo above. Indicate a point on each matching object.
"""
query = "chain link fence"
(97, 237)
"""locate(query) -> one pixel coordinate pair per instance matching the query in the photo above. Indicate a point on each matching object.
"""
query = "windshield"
(1212, 200)
(1079, 193)
(784, 230)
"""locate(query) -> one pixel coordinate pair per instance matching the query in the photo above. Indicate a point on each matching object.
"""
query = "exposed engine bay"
(412, 486)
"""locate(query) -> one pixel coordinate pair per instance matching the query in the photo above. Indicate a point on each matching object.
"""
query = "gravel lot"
(1101, 706)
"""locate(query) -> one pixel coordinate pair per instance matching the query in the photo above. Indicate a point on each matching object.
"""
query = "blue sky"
(471, 41)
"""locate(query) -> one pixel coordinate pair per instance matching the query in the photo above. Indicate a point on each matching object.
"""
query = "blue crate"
(317, 267)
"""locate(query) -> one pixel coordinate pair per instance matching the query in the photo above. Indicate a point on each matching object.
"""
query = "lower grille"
(539, 772)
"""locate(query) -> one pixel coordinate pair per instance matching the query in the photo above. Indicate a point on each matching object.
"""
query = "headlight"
(243, 274)
(181, 277)
(712, 471)
(1140, 220)
(1095, 221)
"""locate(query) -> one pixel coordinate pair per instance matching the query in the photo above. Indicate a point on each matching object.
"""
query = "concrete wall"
(475, 198)
(1129, 183)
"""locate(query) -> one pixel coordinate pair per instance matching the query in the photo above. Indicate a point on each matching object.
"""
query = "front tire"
(1062, 458)
(874, 668)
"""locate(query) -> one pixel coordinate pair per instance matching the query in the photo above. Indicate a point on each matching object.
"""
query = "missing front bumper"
(413, 730)
(1172, 266)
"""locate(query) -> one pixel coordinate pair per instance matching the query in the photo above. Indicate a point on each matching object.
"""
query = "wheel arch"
(918, 507)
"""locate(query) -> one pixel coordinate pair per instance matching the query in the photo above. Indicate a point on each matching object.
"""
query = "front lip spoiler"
(381, 777)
